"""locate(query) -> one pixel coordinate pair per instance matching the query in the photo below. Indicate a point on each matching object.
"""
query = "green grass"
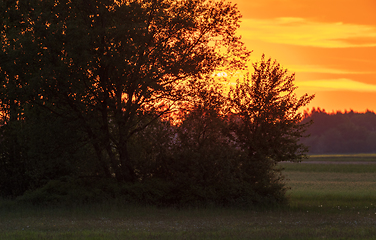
(100, 222)
(327, 201)
(353, 190)
(369, 157)
(331, 185)
(329, 168)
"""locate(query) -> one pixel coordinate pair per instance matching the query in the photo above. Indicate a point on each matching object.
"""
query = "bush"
(68, 192)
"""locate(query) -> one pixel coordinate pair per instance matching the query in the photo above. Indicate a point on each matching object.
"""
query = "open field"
(327, 201)
(342, 158)
(331, 185)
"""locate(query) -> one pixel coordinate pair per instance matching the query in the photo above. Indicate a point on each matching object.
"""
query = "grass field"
(327, 201)
(345, 158)
(332, 185)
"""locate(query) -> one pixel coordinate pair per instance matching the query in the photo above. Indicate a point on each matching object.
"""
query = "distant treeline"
(340, 132)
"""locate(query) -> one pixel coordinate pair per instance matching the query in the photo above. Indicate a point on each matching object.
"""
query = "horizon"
(330, 49)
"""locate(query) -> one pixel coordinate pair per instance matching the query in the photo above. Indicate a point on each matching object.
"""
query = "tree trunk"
(125, 163)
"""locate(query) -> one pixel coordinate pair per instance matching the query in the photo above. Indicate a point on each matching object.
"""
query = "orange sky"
(329, 44)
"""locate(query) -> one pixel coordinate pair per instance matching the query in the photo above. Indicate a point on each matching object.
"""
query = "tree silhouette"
(266, 122)
(119, 97)
(113, 67)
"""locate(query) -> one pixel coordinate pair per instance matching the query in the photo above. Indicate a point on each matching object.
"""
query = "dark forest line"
(340, 132)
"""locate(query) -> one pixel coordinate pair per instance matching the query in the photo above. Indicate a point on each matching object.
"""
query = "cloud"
(322, 69)
(303, 32)
(337, 85)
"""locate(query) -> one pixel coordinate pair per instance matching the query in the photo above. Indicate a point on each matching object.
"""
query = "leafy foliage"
(122, 95)
(266, 124)
(113, 66)
(267, 121)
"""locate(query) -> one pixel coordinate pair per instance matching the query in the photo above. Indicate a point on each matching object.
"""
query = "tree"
(112, 67)
(266, 124)
(88, 88)
(335, 133)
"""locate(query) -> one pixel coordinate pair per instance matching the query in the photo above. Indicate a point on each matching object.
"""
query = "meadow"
(331, 197)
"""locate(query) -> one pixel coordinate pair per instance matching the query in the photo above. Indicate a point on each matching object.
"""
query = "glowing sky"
(329, 44)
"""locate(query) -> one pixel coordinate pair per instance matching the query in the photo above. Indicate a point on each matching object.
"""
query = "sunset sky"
(329, 44)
